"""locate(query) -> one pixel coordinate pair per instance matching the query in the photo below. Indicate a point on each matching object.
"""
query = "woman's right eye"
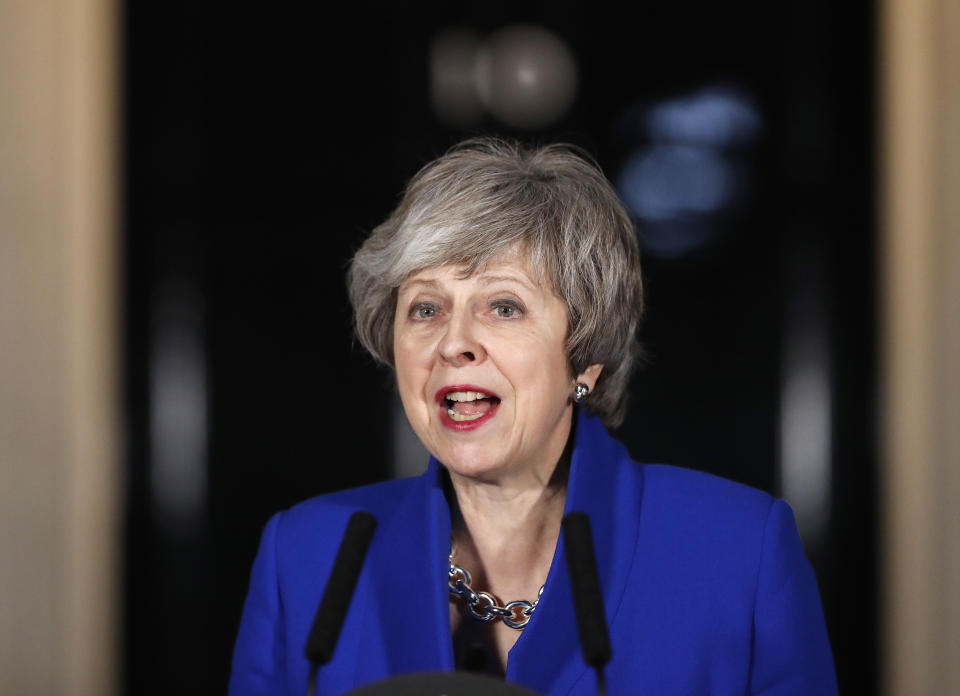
(423, 311)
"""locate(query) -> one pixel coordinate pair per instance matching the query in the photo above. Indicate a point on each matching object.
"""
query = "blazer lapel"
(409, 625)
(605, 484)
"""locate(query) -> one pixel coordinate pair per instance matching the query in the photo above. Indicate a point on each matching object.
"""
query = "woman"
(505, 292)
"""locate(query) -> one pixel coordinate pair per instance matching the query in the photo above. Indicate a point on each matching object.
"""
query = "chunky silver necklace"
(483, 606)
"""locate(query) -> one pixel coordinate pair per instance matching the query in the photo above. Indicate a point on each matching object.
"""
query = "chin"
(469, 463)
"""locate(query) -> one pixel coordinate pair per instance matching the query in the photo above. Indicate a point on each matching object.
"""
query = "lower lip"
(462, 426)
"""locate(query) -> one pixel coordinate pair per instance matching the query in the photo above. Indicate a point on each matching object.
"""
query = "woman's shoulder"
(681, 498)
(695, 525)
(703, 488)
(667, 492)
(315, 518)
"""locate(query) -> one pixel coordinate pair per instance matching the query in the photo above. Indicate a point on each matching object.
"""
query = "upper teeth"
(466, 395)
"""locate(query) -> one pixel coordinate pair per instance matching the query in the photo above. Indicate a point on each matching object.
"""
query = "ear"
(590, 375)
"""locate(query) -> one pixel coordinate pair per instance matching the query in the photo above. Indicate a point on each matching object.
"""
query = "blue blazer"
(706, 588)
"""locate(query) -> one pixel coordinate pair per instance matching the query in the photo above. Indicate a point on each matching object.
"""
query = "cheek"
(545, 373)
(403, 351)
(412, 346)
(558, 373)
(403, 367)
(407, 374)
(412, 373)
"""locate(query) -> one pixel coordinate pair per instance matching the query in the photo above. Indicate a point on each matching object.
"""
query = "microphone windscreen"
(343, 580)
(585, 584)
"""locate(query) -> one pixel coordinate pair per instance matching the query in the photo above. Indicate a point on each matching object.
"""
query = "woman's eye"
(507, 310)
(423, 311)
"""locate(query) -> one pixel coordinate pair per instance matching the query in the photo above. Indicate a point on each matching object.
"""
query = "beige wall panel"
(32, 418)
(920, 266)
(92, 475)
(59, 501)
(948, 322)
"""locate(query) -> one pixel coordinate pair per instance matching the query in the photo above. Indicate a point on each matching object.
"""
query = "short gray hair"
(487, 196)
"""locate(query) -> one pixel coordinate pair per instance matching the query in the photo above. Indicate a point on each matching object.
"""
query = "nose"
(458, 346)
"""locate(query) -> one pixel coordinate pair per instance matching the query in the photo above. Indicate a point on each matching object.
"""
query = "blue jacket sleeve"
(259, 653)
(791, 652)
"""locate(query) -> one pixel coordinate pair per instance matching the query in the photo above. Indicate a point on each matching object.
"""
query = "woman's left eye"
(507, 310)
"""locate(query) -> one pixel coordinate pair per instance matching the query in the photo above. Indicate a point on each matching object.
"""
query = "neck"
(506, 534)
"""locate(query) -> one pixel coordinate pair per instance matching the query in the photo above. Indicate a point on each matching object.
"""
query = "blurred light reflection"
(806, 407)
(670, 182)
(690, 169)
(453, 90)
(178, 410)
(805, 445)
(714, 116)
(525, 76)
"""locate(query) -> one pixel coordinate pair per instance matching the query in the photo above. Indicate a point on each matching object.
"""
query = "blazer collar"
(411, 592)
(606, 485)
(408, 557)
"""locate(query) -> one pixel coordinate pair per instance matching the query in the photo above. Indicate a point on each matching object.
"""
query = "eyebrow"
(489, 279)
(485, 278)
(428, 283)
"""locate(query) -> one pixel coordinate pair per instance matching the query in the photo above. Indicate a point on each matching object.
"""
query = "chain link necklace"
(483, 606)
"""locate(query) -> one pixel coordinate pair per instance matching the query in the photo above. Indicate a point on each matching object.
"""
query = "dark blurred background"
(264, 140)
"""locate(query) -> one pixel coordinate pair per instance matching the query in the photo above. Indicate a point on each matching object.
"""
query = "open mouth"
(466, 406)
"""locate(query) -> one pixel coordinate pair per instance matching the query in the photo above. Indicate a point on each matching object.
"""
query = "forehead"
(496, 270)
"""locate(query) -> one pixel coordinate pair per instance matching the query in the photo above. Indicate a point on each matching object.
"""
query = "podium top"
(442, 684)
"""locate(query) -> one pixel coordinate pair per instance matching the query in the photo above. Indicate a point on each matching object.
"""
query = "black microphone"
(336, 597)
(587, 598)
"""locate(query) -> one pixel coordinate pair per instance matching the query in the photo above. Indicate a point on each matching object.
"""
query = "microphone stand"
(587, 597)
(332, 611)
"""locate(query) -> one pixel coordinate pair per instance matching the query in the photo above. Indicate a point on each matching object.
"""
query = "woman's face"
(482, 370)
